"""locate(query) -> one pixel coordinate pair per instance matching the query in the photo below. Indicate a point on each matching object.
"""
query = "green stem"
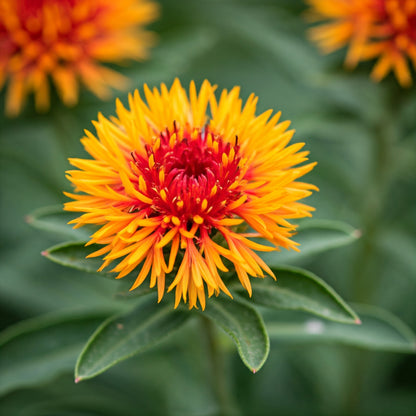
(384, 137)
(218, 374)
(364, 283)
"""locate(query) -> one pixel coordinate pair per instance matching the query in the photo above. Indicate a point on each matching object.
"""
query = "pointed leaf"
(244, 325)
(73, 254)
(380, 330)
(54, 219)
(37, 350)
(298, 289)
(123, 336)
(314, 237)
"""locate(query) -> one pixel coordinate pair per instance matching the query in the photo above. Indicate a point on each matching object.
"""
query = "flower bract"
(181, 185)
(67, 42)
(382, 29)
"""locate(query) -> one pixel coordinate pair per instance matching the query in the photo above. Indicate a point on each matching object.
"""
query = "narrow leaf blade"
(37, 350)
(123, 336)
(380, 330)
(245, 326)
(54, 219)
(314, 237)
(73, 254)
(298, 289)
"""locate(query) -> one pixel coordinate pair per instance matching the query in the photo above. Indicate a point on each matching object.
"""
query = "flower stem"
(384, 137)
(218, 374)
(364, 282)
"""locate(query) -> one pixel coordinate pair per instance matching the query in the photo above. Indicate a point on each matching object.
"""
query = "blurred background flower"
(382, 29)
(67, 42)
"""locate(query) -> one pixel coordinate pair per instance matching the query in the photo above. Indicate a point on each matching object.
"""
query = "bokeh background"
(363, 136)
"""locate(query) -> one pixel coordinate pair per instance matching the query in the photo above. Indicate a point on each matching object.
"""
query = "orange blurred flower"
(175, 191)
(382, 29)
(66, 41)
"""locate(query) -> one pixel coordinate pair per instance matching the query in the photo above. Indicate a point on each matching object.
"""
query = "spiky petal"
(382, 29)
(67, 41)
(173, 190)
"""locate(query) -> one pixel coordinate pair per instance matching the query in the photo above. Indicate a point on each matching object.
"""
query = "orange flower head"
(174, 191)
(66, 42)
(382, 29)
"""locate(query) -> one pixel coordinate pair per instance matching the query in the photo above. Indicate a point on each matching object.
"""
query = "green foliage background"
(363, 136)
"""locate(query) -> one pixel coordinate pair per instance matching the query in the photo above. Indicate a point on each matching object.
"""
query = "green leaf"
(54, 219)
(298, 289)
(124, 294)
(244, 325)
(37, 350)
(380, 330)
(314, 237)
(73, 254)
(123, 336)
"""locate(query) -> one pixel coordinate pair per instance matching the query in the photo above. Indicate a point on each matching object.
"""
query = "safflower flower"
(381, 29)
(174, 190)
(66, 42)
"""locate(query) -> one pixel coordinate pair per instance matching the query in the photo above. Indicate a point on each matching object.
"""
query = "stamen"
(198, 219)
(192, 173)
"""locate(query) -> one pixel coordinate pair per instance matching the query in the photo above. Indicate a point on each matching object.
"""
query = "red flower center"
(398, 20)
(30, 7)
(190, 176)
(52, 32)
